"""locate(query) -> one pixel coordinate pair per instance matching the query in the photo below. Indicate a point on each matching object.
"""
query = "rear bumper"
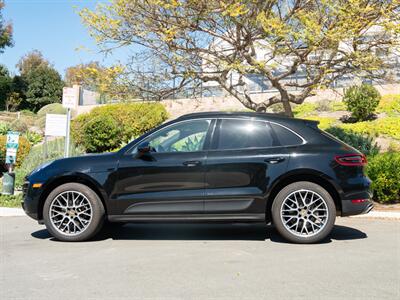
(350, 208)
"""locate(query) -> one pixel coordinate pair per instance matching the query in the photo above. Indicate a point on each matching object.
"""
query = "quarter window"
(186, 136)
(285, 136)
(244, 134)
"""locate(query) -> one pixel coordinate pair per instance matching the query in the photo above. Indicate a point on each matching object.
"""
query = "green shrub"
(390, 104)
(53, 108)
(133, 119)
(4, 128)
(363, 143)
(384, 171)
(304, 109)
(389, 126)
(23, 150)
(10, 200)
(101, 134)
(361, 101)
(33, 137)
(36, 157)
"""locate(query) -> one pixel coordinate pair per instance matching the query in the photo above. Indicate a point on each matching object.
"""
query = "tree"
(31, 61)
(5, 85)
(95, 77)
(5, 31)
(203, 40)
(43, 84)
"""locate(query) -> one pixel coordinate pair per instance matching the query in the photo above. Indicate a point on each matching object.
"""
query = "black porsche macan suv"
(207, 167)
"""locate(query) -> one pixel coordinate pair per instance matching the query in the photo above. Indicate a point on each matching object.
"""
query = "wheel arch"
(303, 175)
(70, 178)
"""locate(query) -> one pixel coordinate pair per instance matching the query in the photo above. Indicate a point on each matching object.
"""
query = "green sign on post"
(12, 147)
(11, 157)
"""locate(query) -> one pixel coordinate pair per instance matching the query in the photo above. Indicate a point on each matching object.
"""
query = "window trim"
(276, 142)
(207, 140)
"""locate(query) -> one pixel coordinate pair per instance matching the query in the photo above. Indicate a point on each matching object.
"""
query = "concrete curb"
(11, 212)
(392, 215)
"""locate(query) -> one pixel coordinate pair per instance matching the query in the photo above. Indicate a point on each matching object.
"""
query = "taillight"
(351, 160)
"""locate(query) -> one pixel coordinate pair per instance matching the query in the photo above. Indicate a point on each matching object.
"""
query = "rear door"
(245, 156)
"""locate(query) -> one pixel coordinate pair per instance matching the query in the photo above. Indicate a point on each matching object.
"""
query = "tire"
(78, 220)
(303, 212)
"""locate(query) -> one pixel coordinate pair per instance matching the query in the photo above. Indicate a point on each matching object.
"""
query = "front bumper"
(30, 200)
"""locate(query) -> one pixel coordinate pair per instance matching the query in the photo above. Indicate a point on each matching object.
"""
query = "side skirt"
(189, 218)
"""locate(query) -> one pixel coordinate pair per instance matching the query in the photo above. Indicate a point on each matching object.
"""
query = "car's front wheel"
(303, 212)
(73, 212)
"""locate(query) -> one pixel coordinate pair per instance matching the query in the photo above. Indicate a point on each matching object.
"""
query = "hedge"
(133, 119)
(384, 171)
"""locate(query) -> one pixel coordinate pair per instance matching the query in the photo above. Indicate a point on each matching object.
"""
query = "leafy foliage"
(133, 119)
(35, 158)
(10, 200)
(101, 134)
(94, 77)
(23, 150)
(4, 128)
(304, 109)
(384, 171)
(33, 137)
(363, 143)
(389, 126)
(362, 101)
(390, 104)
(186, 42)
(6, 31)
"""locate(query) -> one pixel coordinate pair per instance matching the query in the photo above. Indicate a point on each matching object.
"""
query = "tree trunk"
(286, 104)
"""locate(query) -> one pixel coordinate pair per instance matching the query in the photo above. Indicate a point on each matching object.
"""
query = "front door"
(244, 158)
(169, 179)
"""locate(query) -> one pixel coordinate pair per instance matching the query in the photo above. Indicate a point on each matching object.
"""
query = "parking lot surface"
(361, 260)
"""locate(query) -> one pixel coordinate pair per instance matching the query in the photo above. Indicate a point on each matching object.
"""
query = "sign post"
(12, 148)
(69, 101)
(12, 144)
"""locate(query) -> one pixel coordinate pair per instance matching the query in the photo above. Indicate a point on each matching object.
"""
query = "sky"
(54, 28)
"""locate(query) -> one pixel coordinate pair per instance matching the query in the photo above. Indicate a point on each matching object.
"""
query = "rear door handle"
(274, 160)
(192, 163)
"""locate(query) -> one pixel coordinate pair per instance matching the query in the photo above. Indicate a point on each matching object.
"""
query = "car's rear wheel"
(303, 212)
(73, 212)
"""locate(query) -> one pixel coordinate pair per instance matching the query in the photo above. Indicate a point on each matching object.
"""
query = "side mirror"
(144, 148)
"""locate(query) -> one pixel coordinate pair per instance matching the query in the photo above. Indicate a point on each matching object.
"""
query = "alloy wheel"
(70, 213)
(304, 213)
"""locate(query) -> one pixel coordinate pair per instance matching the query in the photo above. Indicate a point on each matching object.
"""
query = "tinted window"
(182, 137)
(242, 134)
(285, 136)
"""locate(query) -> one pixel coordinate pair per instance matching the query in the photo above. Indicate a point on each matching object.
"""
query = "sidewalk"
(374, 214)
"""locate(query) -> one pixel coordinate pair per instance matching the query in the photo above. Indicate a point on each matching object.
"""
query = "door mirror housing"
(144, 148)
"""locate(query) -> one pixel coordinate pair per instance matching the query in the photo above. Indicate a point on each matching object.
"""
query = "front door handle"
(274, 160)
(192, 163)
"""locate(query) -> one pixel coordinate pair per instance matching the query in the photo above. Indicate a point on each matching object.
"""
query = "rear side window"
(285, 136)
(244, 134)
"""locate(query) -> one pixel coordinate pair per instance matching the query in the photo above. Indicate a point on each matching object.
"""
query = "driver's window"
(183, 137)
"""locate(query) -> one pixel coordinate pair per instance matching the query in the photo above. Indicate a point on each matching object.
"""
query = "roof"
(216, 114)
(220, 114)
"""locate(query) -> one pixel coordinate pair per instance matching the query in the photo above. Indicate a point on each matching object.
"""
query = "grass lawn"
(10, 200)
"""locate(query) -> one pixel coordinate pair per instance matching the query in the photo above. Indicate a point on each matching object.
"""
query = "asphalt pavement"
(361, 260)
